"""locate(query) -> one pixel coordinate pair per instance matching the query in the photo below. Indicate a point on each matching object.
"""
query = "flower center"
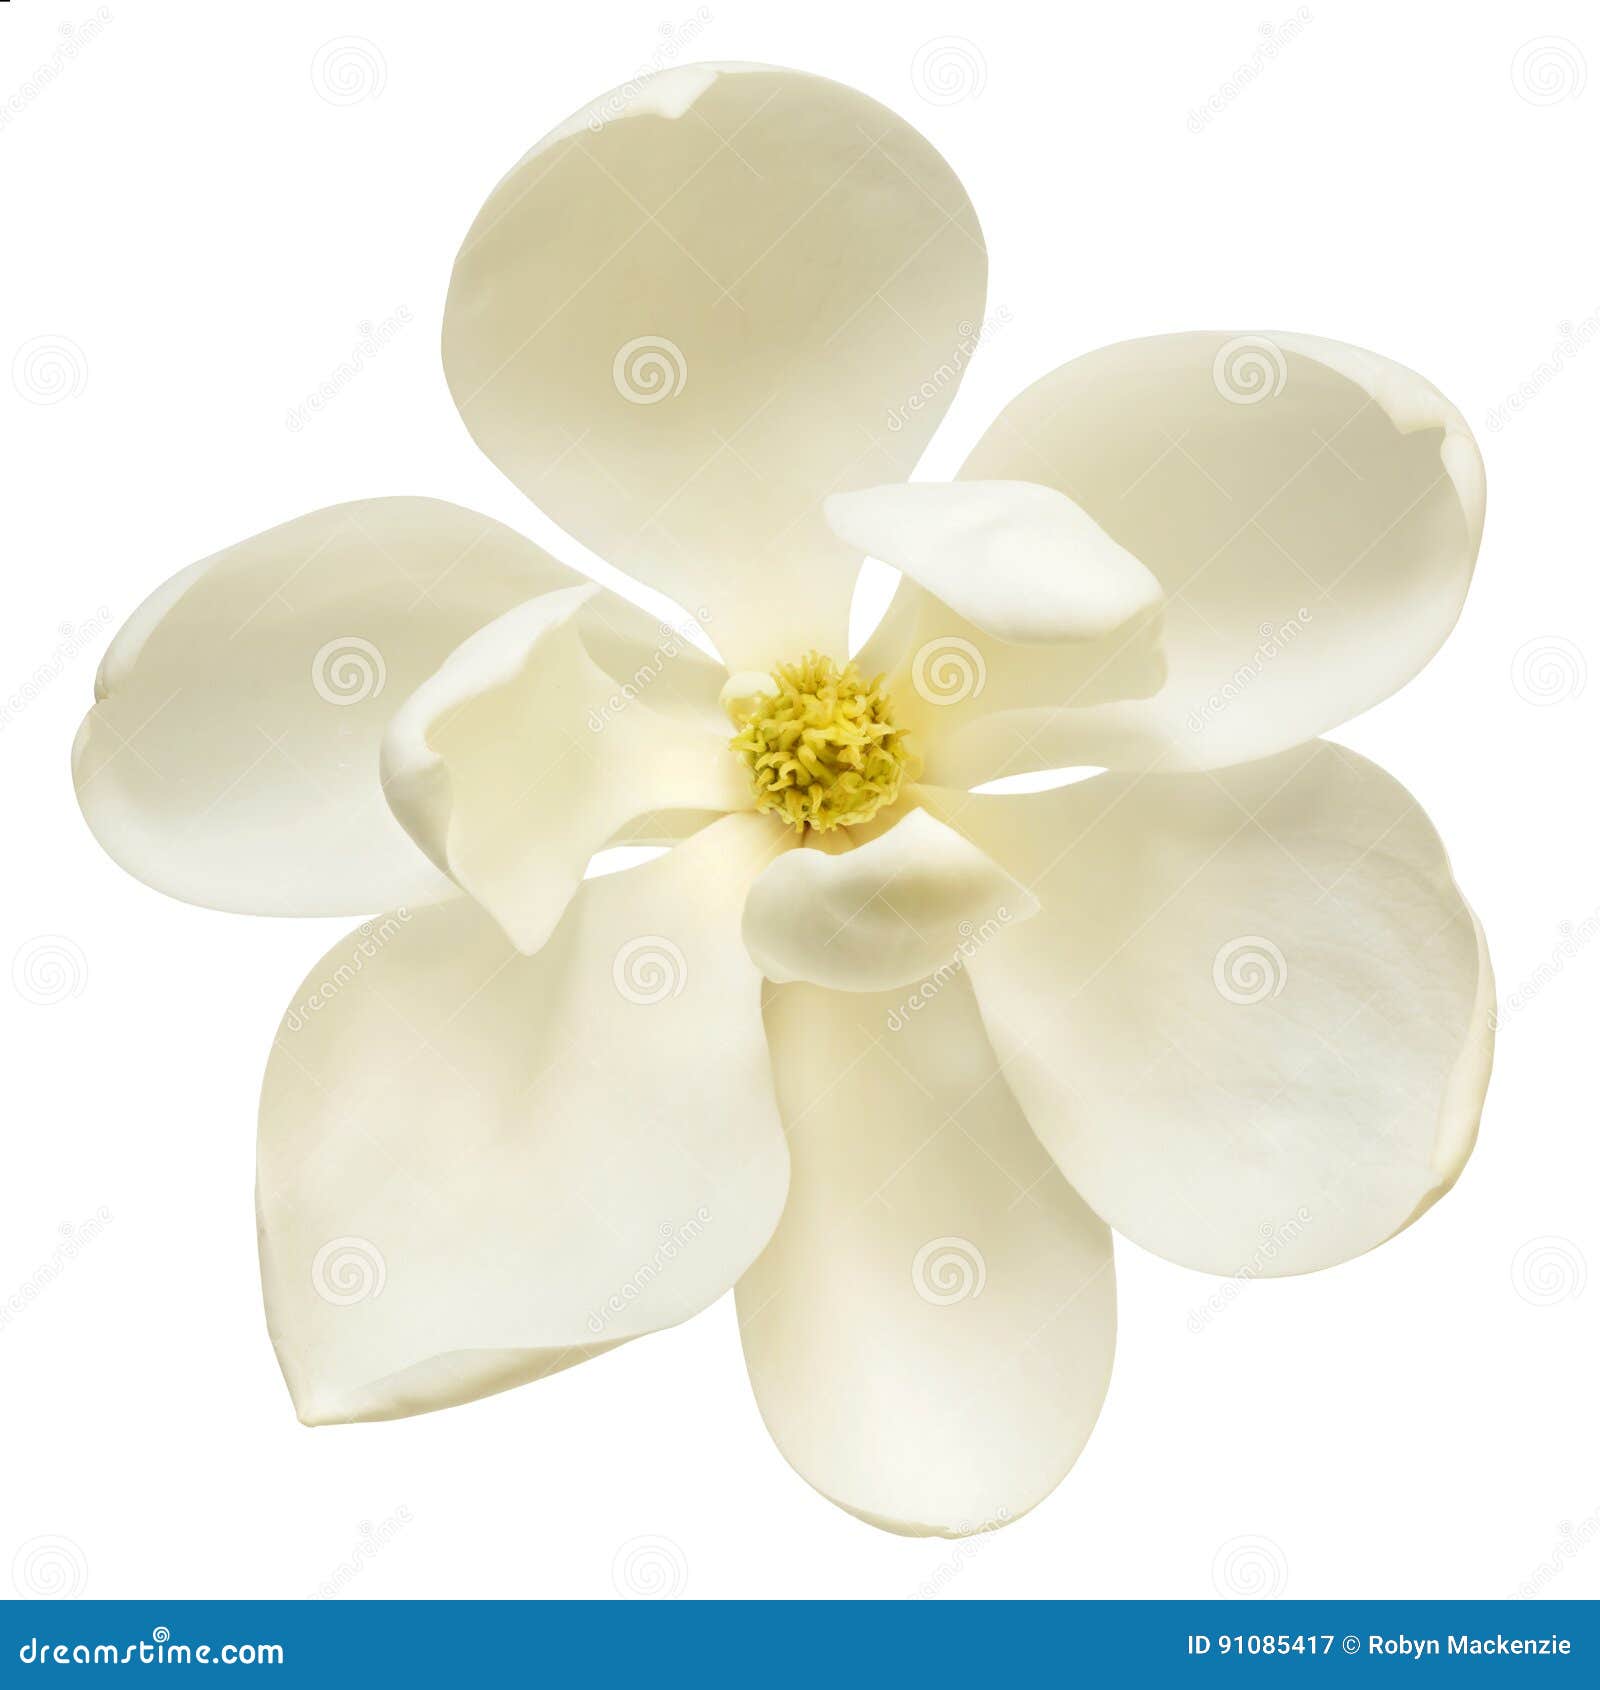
(821, 744)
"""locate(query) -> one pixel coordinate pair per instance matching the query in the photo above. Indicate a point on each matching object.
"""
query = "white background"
(207, 230)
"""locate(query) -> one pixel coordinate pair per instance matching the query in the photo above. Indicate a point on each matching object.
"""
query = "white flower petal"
(929, 1333)
(232, 757)
(1251, 1020)
(477, 1167)
(979, 708)
(1313, 512)
(524, 755)
(696, 309)
(884, 914)
(1017, 560)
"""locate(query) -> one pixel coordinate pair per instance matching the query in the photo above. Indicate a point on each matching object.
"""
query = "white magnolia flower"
(1224, 997)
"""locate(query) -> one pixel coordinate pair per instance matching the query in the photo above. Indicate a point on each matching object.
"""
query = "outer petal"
(476, 1168)
(885, 914)
(698, 307)
(930, 1331)
(1251, 1021)
(1312, 510)
(523, 755)
(232, 757)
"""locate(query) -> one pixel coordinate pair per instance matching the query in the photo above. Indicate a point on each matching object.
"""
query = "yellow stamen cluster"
(823, 750)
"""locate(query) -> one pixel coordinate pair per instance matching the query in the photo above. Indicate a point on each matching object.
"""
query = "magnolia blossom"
(886, 1056)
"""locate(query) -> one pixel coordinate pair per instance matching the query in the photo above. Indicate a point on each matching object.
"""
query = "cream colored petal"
(477, 1167)
(1312, 511)
(930, 1331)
(231, 758)
(1018, 561)
(691, 312)
(524, 755)
(914, 900)
(979, 708)
(1251, 1021)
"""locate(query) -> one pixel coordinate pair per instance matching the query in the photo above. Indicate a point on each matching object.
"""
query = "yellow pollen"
(824, 750)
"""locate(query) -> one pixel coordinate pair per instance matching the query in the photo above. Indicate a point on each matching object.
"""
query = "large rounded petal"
(538, 741)
(1251, 1021)
(1312, 511)
(930, 1331)
(477, 1167)
(700, 306)
(232, 757)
